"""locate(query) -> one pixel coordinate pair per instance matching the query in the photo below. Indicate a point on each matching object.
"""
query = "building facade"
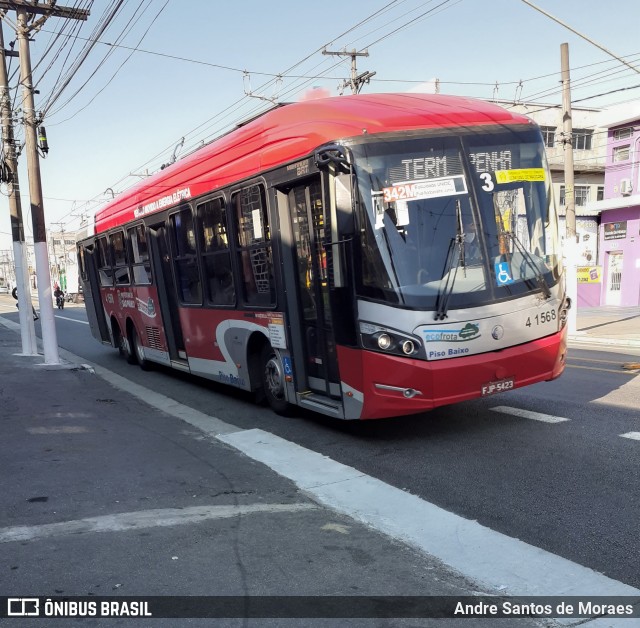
(619, 237)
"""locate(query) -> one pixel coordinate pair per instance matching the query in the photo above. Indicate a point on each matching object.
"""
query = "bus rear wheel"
(124, 347)
(145, 365)
(273, 381)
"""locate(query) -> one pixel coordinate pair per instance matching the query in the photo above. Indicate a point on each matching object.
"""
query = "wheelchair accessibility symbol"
(503, 274)
(286, 362)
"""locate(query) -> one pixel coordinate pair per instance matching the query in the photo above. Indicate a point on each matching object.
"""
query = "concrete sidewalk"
(608, 325)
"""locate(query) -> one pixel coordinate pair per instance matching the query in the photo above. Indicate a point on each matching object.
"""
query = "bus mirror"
(344, 206)
(331, 154)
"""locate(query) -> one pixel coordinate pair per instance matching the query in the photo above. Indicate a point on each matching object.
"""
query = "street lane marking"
(631, 435)
(127, 521)
(526, 414)
(75, 320)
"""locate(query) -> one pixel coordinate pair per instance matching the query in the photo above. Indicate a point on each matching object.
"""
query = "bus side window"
(120, 259)
(140, 263)
(254, 246)
(184, 257)
(216, 257)
(104, 262)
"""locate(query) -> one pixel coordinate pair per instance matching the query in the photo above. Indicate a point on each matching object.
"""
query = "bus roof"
(286, 133)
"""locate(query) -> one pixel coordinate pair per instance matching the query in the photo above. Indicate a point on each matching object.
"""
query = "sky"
(164, 70)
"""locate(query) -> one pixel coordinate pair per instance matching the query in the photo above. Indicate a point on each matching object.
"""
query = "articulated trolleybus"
(362, 256)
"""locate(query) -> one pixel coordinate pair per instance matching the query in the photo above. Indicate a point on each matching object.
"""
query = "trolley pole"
(571, 248)
(27, 328)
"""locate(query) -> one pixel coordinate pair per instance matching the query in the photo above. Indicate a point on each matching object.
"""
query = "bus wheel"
(124, 347)
(145, 365)
(273, 381)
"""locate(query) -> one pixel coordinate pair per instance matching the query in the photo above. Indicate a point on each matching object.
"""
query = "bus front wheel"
(273, 381)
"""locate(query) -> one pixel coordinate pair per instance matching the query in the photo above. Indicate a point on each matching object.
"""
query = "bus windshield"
(471, 214)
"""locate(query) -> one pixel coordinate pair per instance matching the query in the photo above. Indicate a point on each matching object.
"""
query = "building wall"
(627, 169)
(620, 245)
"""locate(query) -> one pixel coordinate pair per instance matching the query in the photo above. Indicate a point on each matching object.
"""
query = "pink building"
(619, 233)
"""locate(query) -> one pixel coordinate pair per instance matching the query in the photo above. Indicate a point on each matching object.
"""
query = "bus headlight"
(384, 341)
(387, 340)
(408, 347)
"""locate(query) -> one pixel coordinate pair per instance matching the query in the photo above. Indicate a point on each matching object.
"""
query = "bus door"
(166, 291)
(91, 292)
(308, 227)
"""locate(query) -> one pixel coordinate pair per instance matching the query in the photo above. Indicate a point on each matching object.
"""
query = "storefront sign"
(615, 230)
(589, 274)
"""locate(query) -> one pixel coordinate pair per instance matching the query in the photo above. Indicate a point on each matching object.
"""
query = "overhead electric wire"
(80, 60)
(117, 70)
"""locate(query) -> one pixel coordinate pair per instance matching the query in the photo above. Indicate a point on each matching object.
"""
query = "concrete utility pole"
(27, 328)
(357, 81)
(23, 29)
(571, 248)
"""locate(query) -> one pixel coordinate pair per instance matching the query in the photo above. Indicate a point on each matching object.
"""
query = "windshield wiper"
(542, 282)
(455, 252)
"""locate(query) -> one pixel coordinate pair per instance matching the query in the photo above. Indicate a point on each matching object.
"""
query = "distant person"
(58, 293)
(14, 294)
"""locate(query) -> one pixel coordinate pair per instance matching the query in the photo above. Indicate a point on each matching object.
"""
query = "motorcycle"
(60, 301)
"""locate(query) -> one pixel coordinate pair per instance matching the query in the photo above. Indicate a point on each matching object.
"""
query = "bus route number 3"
(547, 316)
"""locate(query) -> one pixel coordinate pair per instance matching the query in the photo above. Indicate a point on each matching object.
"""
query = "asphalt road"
(569, 487)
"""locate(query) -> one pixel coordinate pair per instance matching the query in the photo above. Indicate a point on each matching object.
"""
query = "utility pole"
(571, 248)
(27, 328)
(356, 81)
(23, 30)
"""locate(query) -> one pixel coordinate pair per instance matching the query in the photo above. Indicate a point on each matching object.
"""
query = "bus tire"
(273, 382)
(124, 346)
(138, 349)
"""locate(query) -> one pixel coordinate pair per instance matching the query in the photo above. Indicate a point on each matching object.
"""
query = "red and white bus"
(362, 256)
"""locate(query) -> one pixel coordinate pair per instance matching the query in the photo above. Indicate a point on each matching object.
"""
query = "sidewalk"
(608, 325)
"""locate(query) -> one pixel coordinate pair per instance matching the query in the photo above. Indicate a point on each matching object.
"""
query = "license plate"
(499, 386)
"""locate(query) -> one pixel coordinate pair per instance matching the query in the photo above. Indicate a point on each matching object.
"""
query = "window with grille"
(621, 153)
(623, 134)
(548, 135)
(581, 195)
(254, 246)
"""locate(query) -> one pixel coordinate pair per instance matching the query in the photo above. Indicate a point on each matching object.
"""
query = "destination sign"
(429, 167)
(491, 161)
(433, 188)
